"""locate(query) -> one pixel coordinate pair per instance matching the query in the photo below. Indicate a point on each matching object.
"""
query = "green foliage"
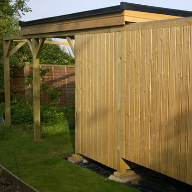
(21, 113)
(10, 13)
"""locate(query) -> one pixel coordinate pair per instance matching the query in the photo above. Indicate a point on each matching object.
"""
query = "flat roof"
(114, 9)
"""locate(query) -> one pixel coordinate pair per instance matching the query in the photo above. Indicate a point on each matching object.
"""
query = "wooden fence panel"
(59, 76)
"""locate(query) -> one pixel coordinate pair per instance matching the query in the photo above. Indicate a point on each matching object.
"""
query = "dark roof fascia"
(114, 9)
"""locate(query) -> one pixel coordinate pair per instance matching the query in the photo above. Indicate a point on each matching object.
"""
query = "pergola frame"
(35, 45)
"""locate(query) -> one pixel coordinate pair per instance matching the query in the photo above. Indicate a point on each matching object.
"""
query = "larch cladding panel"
(155, 97)
(96, 97)
(156, 123)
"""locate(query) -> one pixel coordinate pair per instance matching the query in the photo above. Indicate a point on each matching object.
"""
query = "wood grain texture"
(140, 96)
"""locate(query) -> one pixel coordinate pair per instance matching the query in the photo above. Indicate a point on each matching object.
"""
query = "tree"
(10, 13)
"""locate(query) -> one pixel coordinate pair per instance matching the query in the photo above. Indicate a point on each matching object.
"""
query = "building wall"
(137, 83)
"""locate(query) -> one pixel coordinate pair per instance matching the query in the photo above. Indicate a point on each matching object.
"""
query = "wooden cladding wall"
(146, 74)
(60, 76)
(96, 97)
(156, 123)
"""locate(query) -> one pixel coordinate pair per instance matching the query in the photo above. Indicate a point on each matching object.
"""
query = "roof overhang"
(125, 13)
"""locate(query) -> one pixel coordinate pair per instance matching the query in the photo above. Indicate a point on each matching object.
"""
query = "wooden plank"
(184, 109)
(107, 99)
(189, 150)
(40, 46)
(142, 96)
(80, 93)
(165, 65)
(30, 45)
(36, 92)
(123, 65)
(71, 44)
(110, 99)
(132, 96)
(88, 92)
(178, 75)
(148, 16)
(137, 94)
(121, 165)
(99, 111)
(93, 96)
(102, 109)
(77, 119)
(136, 19)
(115, 97)
(147, 97)
(16, 48)
(153, 112)
(46, 42)
(74, 25)
(171, 139)
(112, 48)
(6, 49)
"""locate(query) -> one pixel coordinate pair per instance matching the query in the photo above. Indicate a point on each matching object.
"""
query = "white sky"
(50, 8)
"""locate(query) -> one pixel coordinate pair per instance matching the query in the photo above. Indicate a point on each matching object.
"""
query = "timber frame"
(107, 20)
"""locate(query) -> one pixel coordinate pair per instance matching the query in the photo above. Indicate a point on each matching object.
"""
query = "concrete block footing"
(125, 179)
(77, 161)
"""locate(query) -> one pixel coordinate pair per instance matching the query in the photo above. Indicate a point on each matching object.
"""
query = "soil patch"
(7, 186)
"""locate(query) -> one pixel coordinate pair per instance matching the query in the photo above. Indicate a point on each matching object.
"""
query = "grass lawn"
(41, 164)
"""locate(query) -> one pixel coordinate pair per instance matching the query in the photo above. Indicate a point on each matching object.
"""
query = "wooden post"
(6, 49)
(121, 165)
(36, 91)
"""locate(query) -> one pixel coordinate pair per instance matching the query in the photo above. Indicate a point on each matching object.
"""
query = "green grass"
(42, 166)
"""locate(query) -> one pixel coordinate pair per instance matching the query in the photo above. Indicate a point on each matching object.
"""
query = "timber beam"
(71, 44)
(16, 48)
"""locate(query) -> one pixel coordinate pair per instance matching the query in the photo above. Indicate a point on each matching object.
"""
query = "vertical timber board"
(137, 95)
(77, 119)
(88, 106)
(142, 95)
(6, 50)
(153, 100)
(171, 139)
(164, 101)
(127, 94)
(99, 98)
(178, 83)
(189, 151)
(123, 65)
(79, 49)
(121, 166)
(172, 101)
(184, 110)
(113, 78)
(36, 92)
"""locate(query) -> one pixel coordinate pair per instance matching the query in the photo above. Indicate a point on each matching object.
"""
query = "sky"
(50, 8)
